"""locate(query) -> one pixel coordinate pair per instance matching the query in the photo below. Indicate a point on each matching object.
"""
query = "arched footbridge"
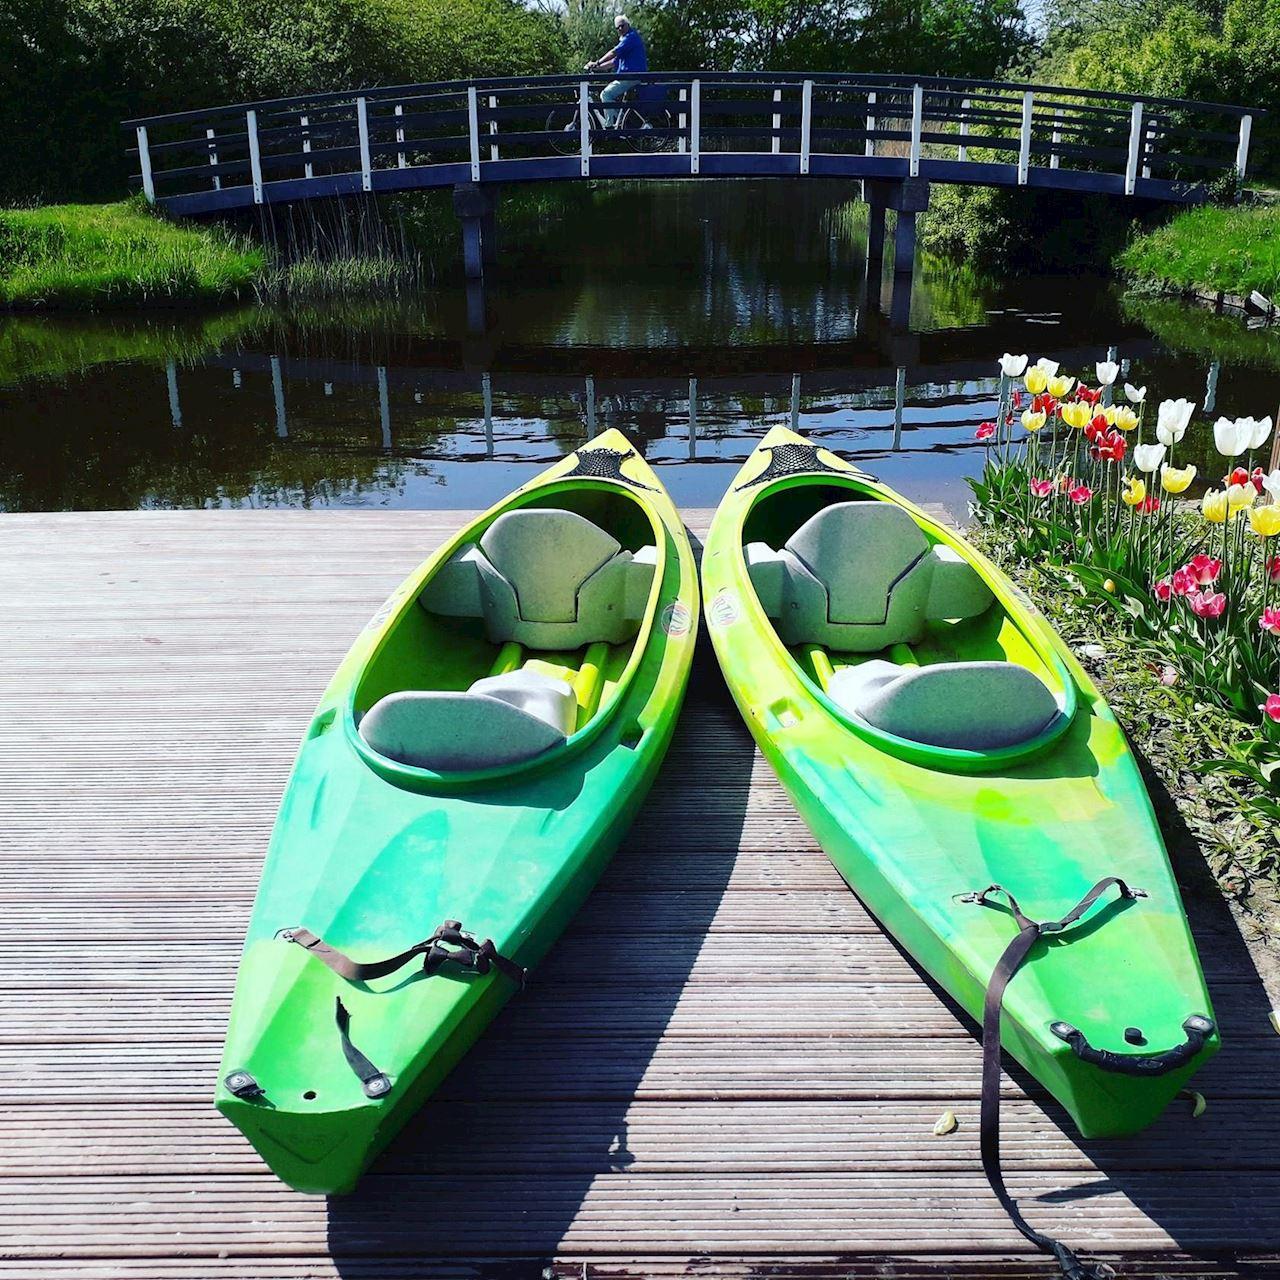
(896, 134)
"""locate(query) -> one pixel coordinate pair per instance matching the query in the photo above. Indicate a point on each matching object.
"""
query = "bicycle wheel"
(563, 123)
(646, 130)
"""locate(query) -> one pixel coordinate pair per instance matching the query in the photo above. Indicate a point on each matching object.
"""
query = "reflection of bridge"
(895, 134)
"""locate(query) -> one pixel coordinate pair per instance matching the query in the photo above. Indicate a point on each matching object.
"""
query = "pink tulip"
(1163, 590)
(1204, 605)
(1041, 488)
(1080, 494)
(1183, 582)
(1270, 621)
(986, 431)
(1204, 569)
(1271, 708)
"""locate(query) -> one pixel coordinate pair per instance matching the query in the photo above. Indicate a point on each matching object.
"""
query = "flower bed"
(1178, 601)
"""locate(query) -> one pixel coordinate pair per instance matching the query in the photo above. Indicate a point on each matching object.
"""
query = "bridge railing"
(388, 139)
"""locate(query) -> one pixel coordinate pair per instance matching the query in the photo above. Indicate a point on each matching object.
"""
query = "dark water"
(692, 317)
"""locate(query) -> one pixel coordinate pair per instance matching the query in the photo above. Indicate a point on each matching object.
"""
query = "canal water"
(693, 317)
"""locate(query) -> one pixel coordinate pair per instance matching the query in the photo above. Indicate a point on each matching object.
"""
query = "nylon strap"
(376, 1083)
(1029, 932)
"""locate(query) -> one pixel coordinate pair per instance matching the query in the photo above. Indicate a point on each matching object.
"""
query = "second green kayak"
(940, 739)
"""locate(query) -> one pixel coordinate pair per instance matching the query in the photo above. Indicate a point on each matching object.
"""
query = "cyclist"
(627, 56)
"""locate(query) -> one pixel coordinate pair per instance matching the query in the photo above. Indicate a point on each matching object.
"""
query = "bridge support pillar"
(474, 207)
(907, 199)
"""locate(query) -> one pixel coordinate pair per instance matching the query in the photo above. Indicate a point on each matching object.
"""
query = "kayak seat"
(499, 720)
(860, 576)
(548, 579)
(976, 706)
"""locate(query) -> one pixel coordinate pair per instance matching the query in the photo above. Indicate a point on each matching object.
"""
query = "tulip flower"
(1041, 488)
(1149, 505)
(1162, 590)
(1270, 621)
(1107, 371)
(1080, 494)
(1204, 605)
(1077, 414)
(1168, 674)
(1172, 419)
(985, 431)
(1036, 380)
(1175, 479)
(1231, 436)
(1265, 521)
(1273, 569)
(1134, 491)
(1237, 475)
(1134, 395)
(1203, 569)
(1259, 431)
(1257, 478)
(1109, 447)
(1239, 498)
(1271, 483)
(1271, 708)
(1183, 582)
(1147, 457)
(1213, 506)
(1012, 366)
(1050, 367)
(1123, 418)
(1089, 397)
(1060, 385)
(1033, 420)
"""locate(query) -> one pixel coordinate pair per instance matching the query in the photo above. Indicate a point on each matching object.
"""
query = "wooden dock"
(724, 1068)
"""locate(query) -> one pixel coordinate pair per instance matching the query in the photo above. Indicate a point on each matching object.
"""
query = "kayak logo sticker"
(676, 618)
(724, 610)
(384, 610)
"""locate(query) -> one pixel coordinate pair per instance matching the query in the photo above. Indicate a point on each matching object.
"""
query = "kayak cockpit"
(898, 628)
(518, 639)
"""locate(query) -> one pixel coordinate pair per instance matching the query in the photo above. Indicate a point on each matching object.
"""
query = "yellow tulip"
(1134, 491)
(1032, 420)
(1125, 419)
(1176, 479)
(1110, 413)
(1240, 497)
(1060, 385)
(1036, 380)
(1265, 521)
(1076, 414)
(1213, 506)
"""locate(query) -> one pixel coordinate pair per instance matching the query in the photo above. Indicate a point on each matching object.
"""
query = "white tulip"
(1107, 371)
(1050, 367)
(1260, 429)
(1231, 437)
(1134, 395)
(1147, 457)
(1172, 420)
(1271, 484)
(1012, 366)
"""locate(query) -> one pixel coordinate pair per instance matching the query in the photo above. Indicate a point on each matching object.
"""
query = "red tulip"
(1237, 476)
(1080, 494)
(1163, 590)
(1271, 707)
(1017, 400)
(1258, 477)
(1273, 568)
(1148, 505)
(1204, 569)
(1183, 582)
(1041, 488)
(1108, 446)
(1204, 605)
(1089, 397)
(986, 431)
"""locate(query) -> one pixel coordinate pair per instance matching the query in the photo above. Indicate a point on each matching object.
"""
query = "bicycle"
(645, 128)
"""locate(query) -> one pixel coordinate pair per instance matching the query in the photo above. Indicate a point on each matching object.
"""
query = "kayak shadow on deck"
(538, 1114)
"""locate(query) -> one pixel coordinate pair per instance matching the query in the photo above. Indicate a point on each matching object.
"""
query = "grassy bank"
(116, 255)
(1234, 250)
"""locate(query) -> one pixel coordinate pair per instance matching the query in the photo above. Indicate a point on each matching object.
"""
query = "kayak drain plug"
(1133, 1035)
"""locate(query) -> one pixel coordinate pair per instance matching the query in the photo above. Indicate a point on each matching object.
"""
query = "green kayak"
(466, 777)
(956, 763)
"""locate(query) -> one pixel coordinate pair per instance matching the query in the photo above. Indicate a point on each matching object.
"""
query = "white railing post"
(806, 124)
(1242, 150)
(493, 129)
(870, 148)
(1057, 138)
(401, 162)
(1135, 149)
(473, 130)
(366, 164)
(584, 126)
(144, 162)
(1024, 144)
(962, 152)
(213, 159)
(695, 125)
(1149, 134)
(682, 123)
(255, 156)
(917, 126)
(777, 124)
(307, 170)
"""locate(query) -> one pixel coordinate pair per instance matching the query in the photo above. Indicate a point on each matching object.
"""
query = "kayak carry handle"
(1198, 1029)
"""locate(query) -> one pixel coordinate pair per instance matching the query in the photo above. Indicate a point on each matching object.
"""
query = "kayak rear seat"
(499, 720)
(977, 706)
(548, 579)
(860, 576)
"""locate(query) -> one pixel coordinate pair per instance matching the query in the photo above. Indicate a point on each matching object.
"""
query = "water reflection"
(691, 319)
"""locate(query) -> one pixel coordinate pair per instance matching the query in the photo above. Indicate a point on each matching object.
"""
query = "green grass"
(116, 255)
(1234, 250)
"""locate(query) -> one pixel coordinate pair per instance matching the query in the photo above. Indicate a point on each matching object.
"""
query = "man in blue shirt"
(628, 55)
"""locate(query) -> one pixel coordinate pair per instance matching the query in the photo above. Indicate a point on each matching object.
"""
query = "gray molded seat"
(499, 720)
(860, 576)
(547, 578)
(977, 706)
